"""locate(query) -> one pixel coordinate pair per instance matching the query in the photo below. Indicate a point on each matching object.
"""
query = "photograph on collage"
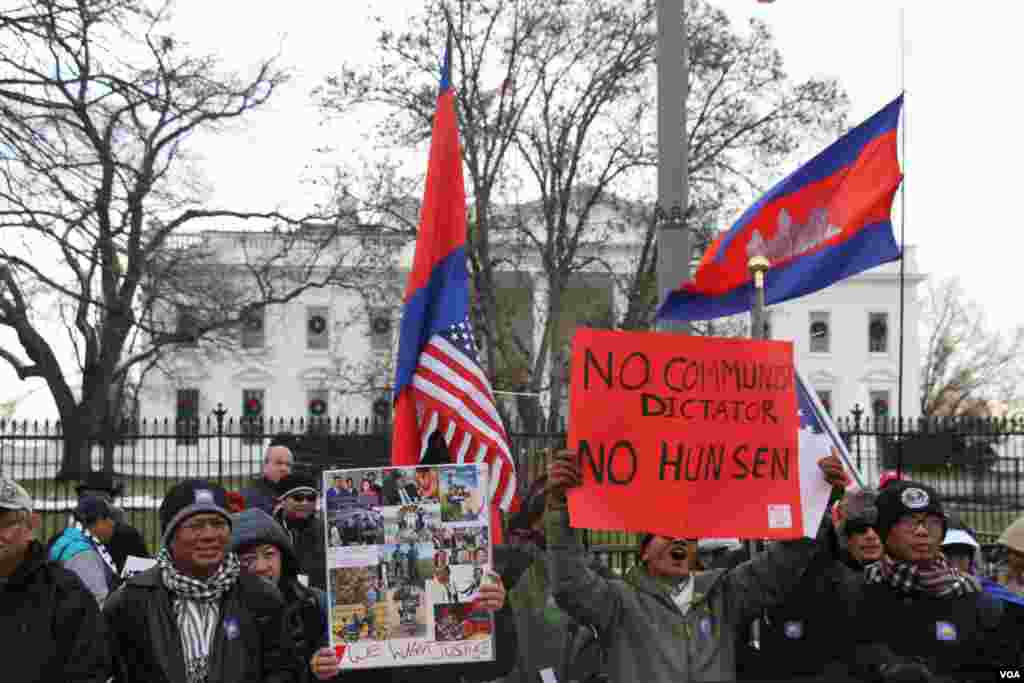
(462, 497)
(461, 622)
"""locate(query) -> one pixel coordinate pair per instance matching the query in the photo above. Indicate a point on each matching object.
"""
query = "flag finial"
(446, 64)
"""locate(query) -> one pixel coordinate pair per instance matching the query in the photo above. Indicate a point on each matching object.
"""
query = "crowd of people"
(892, 589)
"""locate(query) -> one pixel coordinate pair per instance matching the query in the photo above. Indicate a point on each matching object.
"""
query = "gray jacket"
(645, 635)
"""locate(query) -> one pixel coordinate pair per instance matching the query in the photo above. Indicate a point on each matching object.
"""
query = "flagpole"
(903, 242)
(674, 253)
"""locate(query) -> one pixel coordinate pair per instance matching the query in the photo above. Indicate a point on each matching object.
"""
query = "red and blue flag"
(827, 221)
(439, 385)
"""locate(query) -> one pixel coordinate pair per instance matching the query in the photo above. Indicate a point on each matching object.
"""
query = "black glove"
(905, 671)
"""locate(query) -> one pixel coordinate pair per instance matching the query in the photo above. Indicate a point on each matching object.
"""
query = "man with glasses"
(194, 617)
(297, 513)
(49, 622)
(920, 619)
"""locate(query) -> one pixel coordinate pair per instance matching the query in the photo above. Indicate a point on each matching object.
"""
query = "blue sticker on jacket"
(945, 631)
(794, 630)
(704, 626)
(231, 630)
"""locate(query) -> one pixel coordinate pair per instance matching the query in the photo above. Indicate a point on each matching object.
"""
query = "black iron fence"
(978, 465)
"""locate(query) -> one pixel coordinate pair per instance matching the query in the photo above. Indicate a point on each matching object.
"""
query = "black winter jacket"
(954, 637)
(260, 494)
(146, 646)
(308, 541)
(50, 626)
(305, 623)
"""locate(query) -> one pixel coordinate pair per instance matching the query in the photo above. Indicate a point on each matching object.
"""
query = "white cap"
(960, 537)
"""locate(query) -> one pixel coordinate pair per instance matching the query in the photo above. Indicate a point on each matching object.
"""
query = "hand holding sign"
(563, 472)
(491, 595)
(324, 664)
(835, 473)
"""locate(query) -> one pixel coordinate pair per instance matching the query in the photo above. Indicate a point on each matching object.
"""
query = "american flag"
(453, 396)
(817, 430)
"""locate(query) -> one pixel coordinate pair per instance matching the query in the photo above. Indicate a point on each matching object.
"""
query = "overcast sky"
(962, 113)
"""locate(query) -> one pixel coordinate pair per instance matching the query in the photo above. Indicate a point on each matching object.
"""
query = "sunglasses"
(303, 497)
(859, 527)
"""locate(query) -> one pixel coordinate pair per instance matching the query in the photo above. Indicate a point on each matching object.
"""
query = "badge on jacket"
(231, 630)
(794, 630)
(704, 626)
(945, 631)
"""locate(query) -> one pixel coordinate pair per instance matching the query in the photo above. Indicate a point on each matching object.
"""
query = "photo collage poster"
(407, 551)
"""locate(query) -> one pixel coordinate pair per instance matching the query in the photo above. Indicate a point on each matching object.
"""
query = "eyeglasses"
(213, 524)
(249, 560)
(303, 497)
(930, 523)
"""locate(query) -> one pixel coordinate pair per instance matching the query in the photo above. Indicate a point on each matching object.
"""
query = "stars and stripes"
(453, 396)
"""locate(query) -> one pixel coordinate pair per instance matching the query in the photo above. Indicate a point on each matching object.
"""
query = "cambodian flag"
(439, 385)
(827, 221)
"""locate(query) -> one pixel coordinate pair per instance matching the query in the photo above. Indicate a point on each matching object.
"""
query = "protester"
(265, 550)
(297, 513)
(548, 637)
(490, 598)
(1013, 540)
(81, 548)
(126, 541)
(960, 547)
(262, 492)
(50, 625)
(195, 617)
(856, 526)
(659, 623)
(919, 617)
(797, 638)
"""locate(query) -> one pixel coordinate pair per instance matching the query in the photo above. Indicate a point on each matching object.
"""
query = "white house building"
(330, 352)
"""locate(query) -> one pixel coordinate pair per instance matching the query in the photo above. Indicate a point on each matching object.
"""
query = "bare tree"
(98, 197)
(556, 110)
(966, 363)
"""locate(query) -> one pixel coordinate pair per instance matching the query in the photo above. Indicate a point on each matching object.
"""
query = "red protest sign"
(684, 436)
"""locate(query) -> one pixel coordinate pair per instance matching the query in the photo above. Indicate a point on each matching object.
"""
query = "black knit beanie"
(900, 498)
(189, 498)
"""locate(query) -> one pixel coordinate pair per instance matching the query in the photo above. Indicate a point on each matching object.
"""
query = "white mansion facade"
(330, 352)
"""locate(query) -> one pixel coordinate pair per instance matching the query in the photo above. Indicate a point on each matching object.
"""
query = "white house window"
(187, 326)
(380, 329)
(820, 332)
(825, 396)
(318, 410)
(880, 404)
(317, 328)
(253, 401)
(878, 333)
(253, 336)
(186, 424)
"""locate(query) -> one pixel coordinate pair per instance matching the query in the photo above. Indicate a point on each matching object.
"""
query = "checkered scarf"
(196, 608)
(937, 578)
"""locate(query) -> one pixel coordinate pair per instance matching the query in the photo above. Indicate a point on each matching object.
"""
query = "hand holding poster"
(685, 436)
(408, 549)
